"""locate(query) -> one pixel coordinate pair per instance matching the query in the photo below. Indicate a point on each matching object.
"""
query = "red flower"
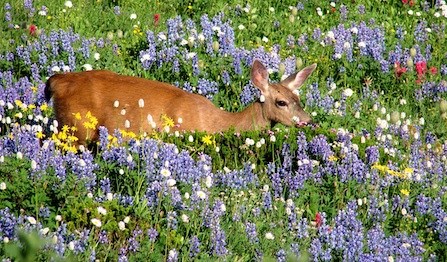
(421, 67)
(156, 18)
(433, 70)
(398, 70)
(32, 29)
(318, 219)
(404, 2)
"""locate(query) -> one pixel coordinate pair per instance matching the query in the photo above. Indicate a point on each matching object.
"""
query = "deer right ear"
(260, 76)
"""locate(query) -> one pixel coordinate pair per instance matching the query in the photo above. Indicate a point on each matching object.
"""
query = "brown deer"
(140, 105)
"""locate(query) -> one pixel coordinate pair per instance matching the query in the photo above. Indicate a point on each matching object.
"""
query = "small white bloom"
(357, 115)
(186, 195)
(330, 35)
(5, 240)
(354, 30)
(31, 220)
(421, 121)
(262, 99)
(201, 194)
(362, 44)
(265, 39)
(404, 211)
(185, 218)
(71, 245)
(171, 182)
(58, 218)
(269, 236)
(101, 210)
(68, 4)
(44, 231)
(348, 92)
(126, 219)
(347, 45)
(272, 138)
(190, 138)
(359, 202)
(208, 181)
(89, 195)
(133, 16)
(165, 172)
(87, 67)
(410, 12)
(390, 259)
(19, 155)
(241, 27)
(121, 225)
(180, 120)
(109, 196)
(383, 110)
(97, 56)
(96, 222)
(2, 186)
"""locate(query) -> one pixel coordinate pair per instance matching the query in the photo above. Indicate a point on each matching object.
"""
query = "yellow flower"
(207, 140)
(18, 103)
(44, 107)
(40, 135)
(167, 121)
(34, 89)
(381, 168)
(333, 158)
(65, 129)
(77, 116)
(405, 192)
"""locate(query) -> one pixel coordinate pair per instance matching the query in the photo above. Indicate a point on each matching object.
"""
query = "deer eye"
(281, 103)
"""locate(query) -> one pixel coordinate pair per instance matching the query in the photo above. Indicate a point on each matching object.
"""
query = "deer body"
(139, 105)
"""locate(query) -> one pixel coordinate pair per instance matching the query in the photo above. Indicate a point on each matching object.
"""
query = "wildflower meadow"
(366, 182)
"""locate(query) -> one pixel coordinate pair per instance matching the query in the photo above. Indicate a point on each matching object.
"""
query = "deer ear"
(295, 80)
(260, 76)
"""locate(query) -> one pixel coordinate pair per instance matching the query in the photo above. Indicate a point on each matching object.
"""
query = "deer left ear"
(296, 80)
(260, 76)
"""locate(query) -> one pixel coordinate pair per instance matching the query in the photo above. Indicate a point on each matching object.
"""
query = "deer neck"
(251, 118)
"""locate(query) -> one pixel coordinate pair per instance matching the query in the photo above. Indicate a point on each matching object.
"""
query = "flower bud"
(413, 52)
(443, 106)
(215, 46)
(410, 63)
(291, 18)
(395, 116)
(299, 63)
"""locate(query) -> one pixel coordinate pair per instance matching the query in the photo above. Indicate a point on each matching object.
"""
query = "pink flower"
(156, 19)
(421, 67)
(433, 70)
(32, 29)
(398, 70)
(318, 219)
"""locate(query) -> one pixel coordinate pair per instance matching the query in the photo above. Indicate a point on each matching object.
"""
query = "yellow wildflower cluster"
(208, 140)
(92, 121)
(405, 174)
(65, 139)
(167, 121)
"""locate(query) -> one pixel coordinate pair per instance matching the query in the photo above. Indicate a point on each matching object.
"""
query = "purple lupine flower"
(218, 242)
(172, 255)
(361, 9)
(250, 230)
(249, 94)
(103, 238)
(152, 234)
(194, 248)
(172, 220)
(267, 200)
(343, 12)
(8, 223)
(207, 88)
(281, 255)
(117, 10)
(226, 78)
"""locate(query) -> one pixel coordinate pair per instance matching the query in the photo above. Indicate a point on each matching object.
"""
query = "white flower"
(190, 138)
(116, 104)
(126, 219)
(165, 172)
(265, 39)
(273, 138)
(31, 220)
(19, 155)
(180, 120)
(404, 211)
(171, 182)
(66, 68)
(269, 236)
(71, 245)
(58, 218)
(421, 121)
(330, 35)
(87, 67)
(6, 240)
(348, 92)
(68, 4)
(186, 195)
(354, 30)
(347, 45)
(101, 210)
(223, 208)
(241, 27)
(359, 202)
(2, 186)
(201, 194)
(97, 56)
(201, 37)
(44, 231)
(121, 225)
(109, 196)
(390, 259)
(96, 222)
(362, 44)
(208, 181)
(82, 163)
(249, 141)
(185, 218)
(133, 16)
(410, 12)
(89, 195)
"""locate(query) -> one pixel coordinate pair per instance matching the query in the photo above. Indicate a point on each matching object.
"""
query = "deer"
(141, 105)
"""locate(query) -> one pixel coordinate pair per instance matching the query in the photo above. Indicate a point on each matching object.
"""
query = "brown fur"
(97, 91)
